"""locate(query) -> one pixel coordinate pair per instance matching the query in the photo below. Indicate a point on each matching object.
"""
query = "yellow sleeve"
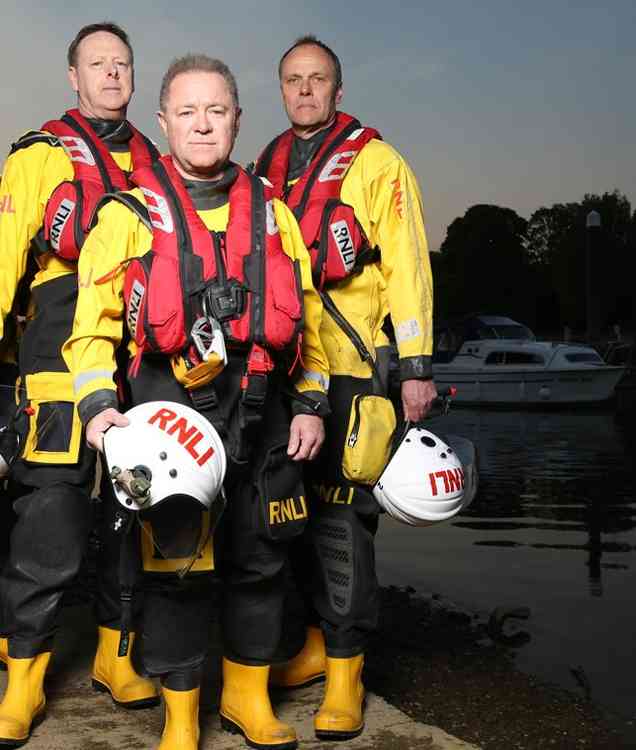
(314, 375)
(99, 314)
(387, 200)
(30, 175)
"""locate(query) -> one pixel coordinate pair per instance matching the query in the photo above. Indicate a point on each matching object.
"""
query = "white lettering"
(60, 218)
(342, 237)
(337, 166)
(134, 303)
(77, 150)
(159, 212)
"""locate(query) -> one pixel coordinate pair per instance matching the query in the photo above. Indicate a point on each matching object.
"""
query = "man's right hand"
(97, 426)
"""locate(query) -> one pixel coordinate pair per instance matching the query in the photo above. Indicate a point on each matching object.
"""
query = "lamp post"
(592, 231)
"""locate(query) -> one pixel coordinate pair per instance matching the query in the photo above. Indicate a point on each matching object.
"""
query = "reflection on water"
(553, 529)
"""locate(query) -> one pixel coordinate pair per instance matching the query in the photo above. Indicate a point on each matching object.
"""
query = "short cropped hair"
(193, 64)
(93, 28)
(309, 39)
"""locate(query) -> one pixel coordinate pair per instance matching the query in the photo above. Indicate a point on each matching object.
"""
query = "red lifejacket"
(242, 277)
(70, 208)
(335, 239)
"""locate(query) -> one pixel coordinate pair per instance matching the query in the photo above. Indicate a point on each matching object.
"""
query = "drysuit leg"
(48, 542)
(335, 562)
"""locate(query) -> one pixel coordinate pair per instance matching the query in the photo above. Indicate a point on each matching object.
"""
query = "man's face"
(102, 76)
(308, 86)
(201, 123)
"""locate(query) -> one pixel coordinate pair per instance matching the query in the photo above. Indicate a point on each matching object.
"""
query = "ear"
(237, 121)
(72, 77)
(163, 124)
(339, 95)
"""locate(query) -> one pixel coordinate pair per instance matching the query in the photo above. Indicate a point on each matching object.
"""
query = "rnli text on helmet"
(187, 435)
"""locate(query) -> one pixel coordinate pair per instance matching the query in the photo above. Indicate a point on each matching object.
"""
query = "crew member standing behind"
(377, 267)
(208, 251)
(51, 183)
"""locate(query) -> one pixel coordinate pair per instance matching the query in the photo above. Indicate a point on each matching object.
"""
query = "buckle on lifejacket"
(254, 390)
(254, 385)
(224, 301)
(204, 398)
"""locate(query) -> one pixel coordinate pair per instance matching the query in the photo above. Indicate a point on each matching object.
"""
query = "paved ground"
(80, 719)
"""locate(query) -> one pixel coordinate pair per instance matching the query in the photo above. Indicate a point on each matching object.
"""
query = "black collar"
(209, 194)
(114, 133)
(303, 151)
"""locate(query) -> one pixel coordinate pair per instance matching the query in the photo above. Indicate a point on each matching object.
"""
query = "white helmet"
(167, 449)
(425, 481)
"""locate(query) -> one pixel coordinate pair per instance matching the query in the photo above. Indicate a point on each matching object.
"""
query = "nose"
(202, 123)
(113, 70)
(305, 86)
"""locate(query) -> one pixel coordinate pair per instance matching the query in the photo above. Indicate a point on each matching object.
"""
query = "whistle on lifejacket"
(136, 483)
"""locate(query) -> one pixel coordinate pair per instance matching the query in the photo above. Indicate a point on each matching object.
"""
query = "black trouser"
(8, 375)
(52, 503)
(334, 561)
(250, 555)
(48, 542)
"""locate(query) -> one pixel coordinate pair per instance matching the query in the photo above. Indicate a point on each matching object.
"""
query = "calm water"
(553, 528)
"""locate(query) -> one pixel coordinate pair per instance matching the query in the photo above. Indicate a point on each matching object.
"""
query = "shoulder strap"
(274, 162)
(128, 200)
(33, 137)
(73, 123)
(355, 338)
(142, 150)
(319, 163)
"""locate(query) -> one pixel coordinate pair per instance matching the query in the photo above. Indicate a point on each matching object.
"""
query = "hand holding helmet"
(168, 448)
(428, 479)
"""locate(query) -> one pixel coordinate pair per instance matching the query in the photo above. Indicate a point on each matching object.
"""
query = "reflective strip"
(85, 377)
(317, 377)
(407, 330)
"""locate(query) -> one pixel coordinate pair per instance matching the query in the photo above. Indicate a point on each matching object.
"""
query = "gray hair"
(192, 63)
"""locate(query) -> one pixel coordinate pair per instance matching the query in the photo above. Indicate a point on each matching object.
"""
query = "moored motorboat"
(499, 361)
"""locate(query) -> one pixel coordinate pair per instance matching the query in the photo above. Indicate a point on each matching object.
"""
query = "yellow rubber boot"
(115, 674)
(340, 716)
(307, 667)
(181, 726)
(4, 652)
(24, 702)
(247, 710)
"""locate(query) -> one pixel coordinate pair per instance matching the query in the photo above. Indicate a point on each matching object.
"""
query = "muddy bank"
(440, 666)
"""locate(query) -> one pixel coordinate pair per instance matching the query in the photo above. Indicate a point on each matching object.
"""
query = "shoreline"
(441, 665)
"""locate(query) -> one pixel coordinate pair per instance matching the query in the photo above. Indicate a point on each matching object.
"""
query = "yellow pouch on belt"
(55, 429)
(368, 443)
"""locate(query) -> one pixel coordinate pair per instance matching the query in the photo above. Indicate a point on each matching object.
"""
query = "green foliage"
(493, 260)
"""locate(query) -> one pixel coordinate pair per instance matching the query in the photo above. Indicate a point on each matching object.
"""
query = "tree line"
(494, 261)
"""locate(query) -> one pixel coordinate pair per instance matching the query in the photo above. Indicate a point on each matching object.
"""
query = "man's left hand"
(306, 435)
(417, 398)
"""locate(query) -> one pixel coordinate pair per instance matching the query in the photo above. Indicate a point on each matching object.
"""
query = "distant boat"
(493, 359)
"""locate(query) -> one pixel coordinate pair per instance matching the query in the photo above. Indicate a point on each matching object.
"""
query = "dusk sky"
(521, 107)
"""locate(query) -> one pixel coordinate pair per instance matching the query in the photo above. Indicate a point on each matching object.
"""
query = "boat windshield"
(504, 331)
(590, 357)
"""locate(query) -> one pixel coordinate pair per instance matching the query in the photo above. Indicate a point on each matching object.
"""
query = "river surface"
(553, 528)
